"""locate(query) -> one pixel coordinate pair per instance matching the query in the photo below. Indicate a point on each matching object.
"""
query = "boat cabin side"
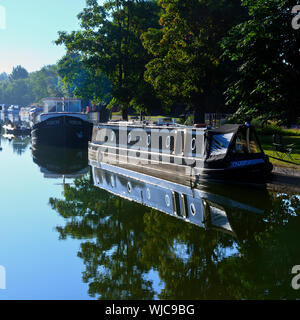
(228, 147)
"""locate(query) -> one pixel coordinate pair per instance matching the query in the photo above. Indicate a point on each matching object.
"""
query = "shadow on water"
(144, 238)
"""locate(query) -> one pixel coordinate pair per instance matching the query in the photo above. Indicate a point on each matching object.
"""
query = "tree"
(83, 82)
(19, 73)
(187, 65)
(33, 88)
(110, 41)
(3, 76)
(46, 83)
(266, 49)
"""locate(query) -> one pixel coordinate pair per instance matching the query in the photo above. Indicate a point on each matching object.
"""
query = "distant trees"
(23, 88)
(83, 82)
(3, 76)
(69, 78)
(18, 73)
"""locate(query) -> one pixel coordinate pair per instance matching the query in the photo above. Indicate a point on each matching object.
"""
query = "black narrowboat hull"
(61, 131)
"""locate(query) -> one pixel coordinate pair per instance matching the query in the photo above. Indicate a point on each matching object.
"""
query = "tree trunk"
(199, 112)
(125, 114)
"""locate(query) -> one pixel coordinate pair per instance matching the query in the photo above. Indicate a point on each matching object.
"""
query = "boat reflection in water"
(55, 162)
(196, 204)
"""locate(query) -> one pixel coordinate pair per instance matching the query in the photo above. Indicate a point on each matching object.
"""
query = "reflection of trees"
(122, 241)
(19, 144)
(113, 260)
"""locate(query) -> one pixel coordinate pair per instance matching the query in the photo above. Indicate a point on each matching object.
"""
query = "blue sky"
(31, 28)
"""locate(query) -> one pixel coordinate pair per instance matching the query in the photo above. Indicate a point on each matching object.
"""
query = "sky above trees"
(31, 28)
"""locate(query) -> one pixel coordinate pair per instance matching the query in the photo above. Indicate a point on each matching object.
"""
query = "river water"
(69, 231)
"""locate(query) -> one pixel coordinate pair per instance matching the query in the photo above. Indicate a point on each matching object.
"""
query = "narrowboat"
(231, 151)
(62, 124)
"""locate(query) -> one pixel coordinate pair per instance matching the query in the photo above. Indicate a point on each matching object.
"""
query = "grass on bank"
(269, 148)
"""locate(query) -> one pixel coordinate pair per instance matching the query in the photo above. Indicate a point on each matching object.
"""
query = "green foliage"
(187, 64)
(18, 73)
(266, 50)
(3, 76)
(33, 88)
(110, 41)
(70, 77)
(189, 121)
(83, 82)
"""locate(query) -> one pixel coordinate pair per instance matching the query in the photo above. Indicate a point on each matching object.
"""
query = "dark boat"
(62, 124)
(231, 151)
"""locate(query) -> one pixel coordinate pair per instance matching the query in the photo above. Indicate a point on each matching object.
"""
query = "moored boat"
(16, 130)
(62, 124)
(230, 151)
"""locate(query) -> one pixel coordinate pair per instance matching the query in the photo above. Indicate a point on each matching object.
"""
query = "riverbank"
(285, 179)
(269, 149)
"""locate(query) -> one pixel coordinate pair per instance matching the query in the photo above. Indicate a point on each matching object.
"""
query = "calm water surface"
(62, 237)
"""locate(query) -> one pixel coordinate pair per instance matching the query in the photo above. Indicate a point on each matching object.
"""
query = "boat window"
(50, 106)
(220, 143)
(240, 143)
(74, 106)
(246, 142)
(66, 106)
(59, 107)
(254, 146)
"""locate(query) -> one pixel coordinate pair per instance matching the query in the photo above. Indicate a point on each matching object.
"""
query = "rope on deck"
(297, 164)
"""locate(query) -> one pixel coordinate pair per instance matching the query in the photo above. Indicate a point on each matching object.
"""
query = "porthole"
(193, 209)
(168, 141)
(168, 201)
(193, 144)
(129, 187)
(148, 140)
